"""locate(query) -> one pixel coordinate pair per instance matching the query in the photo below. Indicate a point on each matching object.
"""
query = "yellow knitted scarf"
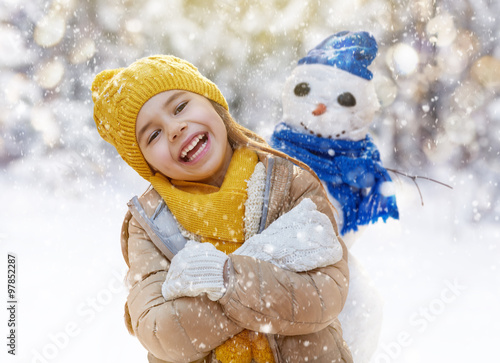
(217, 215)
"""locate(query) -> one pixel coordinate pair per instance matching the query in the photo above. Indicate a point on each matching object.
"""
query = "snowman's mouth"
(321, 135)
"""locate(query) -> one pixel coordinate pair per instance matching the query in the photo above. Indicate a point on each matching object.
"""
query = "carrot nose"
(320, 109)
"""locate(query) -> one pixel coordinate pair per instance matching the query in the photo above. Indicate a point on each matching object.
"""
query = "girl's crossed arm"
(184, 329)
(285, 302)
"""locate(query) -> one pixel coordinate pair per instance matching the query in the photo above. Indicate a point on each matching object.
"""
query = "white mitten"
(195, 270)
(300, 240)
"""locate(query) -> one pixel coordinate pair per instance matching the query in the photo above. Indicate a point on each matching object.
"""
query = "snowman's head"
(330, 93)
(329, 102)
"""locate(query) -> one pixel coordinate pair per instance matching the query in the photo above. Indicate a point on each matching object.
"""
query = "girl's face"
(182, 137)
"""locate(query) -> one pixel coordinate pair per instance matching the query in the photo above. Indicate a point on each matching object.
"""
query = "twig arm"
(414, 179)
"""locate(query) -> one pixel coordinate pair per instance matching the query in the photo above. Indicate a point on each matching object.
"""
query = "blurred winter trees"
(437, 74)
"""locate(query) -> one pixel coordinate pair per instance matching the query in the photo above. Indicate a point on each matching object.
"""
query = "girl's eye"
(179, 108)
(153, 136)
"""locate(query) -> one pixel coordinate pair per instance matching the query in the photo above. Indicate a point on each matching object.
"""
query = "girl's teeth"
(191, 146)
(202, 147)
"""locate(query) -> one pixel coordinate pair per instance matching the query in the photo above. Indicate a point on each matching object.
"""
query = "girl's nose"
(176, 129)
(320, 109)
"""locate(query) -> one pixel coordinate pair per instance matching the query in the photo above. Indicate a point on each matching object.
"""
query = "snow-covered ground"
(437, 272)
(439, 276)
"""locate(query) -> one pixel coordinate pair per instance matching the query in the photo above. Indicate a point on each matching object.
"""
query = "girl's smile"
(181, 136)
(195, 149)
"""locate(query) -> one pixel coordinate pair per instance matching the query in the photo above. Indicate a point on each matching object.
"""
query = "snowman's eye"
(302, 89)
(346, 99)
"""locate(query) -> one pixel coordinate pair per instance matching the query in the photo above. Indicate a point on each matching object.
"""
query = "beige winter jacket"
(298, 311)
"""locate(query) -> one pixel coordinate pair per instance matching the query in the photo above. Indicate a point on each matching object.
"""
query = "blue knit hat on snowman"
(352, 52)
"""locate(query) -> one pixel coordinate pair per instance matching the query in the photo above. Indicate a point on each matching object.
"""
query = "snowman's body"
(325, 105)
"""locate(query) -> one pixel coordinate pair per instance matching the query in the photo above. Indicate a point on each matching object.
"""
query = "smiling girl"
(233, 252)
(181, 136)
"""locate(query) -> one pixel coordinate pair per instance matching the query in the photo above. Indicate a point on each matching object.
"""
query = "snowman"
(329, 103)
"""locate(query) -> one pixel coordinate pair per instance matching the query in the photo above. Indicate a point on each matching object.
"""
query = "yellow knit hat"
(119, 94)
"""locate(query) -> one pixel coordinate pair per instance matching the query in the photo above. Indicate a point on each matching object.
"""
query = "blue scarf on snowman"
(352, 171)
